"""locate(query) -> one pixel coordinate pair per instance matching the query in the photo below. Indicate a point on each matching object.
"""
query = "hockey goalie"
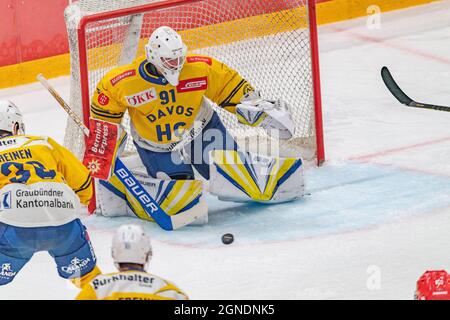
(175, 132)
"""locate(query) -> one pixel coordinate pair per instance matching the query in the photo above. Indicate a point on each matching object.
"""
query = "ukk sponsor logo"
(6, 271)
(141, 98)
(76, 266)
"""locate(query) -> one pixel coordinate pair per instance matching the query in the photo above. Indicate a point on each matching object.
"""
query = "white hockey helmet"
(11, 118)
(167, 52)
(131, 245)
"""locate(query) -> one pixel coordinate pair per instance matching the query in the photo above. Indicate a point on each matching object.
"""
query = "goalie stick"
(141, 195)
(402, 97)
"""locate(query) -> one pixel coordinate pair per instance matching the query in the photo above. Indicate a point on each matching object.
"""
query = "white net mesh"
(267, 41)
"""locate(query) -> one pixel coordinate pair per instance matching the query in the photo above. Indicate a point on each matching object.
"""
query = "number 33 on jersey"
(159, 111)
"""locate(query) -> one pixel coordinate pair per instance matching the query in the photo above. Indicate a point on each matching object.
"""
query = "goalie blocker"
(104, 144)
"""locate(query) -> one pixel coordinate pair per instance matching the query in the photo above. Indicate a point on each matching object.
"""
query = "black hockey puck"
(227, 238)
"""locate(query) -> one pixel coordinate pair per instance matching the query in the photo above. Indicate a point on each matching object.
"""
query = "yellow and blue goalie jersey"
(160, 112)
(130, 285)
(41, 182)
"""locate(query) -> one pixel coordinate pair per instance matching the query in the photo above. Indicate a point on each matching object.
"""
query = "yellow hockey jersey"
(130, 285)
(41, 182)
(160, 112)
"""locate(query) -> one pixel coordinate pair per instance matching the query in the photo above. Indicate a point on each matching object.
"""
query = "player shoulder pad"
(160, 281)
(102, 277)
(28, 141)
(38, 138)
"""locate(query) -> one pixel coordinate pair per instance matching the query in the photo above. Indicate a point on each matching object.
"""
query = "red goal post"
(239, 38)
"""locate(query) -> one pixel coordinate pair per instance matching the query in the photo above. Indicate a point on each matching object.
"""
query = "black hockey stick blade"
(402, 97)
(394, 88)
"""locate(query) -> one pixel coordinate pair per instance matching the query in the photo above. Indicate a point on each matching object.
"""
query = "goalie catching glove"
(268, 114)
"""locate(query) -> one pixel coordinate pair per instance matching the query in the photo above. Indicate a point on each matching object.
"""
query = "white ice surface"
(380, 205)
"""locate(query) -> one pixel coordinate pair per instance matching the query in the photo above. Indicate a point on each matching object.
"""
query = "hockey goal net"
(271, 43)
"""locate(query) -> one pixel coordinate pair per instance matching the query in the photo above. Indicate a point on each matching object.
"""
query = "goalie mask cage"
(271, 43)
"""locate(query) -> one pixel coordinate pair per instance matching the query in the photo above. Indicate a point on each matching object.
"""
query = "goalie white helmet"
(131, 245)
(167, 52)
(11, 119)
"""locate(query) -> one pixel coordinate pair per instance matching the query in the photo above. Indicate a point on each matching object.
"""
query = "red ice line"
(368, 158)
(383, 42)
(399, 149)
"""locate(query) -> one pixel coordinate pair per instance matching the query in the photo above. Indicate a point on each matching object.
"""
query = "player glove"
(272, 115)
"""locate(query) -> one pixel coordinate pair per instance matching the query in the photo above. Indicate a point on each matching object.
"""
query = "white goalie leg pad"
(176, 197)
(110, 202)
(111, 195)
(241, 177)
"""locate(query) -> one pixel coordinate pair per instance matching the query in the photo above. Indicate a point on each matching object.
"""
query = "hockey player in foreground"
(131, 252)
(41, 187)
(175, 131)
